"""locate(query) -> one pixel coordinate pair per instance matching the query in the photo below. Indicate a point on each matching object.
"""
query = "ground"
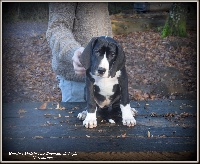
(166, 130)
(157, 68)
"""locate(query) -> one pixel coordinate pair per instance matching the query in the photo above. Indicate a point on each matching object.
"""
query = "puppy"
(106, 80)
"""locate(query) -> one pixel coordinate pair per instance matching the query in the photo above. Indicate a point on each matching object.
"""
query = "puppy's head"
(103, 56)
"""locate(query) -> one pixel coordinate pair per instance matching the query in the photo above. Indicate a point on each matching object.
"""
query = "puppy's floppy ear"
(85, 56)
(119, 63)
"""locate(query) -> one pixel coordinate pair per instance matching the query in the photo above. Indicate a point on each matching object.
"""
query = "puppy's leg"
(90, 119)
(82, 115)
(127, 115)
(127, 111)
(133, 111)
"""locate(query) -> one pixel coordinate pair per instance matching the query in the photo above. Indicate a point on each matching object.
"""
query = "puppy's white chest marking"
(106, 86)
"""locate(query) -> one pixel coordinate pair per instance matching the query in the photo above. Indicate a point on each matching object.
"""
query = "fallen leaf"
(43, 106)
(153, 114)
(148, 134)
(123, 135)
(21, 111)
(58, 106)
(47, 115)
(37, 137)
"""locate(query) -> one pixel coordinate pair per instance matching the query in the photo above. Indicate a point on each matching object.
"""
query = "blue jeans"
(72, 91)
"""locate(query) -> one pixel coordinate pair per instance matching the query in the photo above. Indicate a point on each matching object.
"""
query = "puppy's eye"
(113, 55)
(97, 52)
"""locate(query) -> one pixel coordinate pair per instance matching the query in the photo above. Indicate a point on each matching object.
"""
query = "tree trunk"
(175, 24)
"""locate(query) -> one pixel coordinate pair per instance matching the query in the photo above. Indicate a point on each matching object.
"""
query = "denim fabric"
(71, 91)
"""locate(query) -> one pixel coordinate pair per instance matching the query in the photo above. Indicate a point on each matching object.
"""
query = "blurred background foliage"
(38, 11)
(24, 11)
(126, 17)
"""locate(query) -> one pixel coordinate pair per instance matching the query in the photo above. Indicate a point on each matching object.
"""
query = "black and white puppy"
(106, 80)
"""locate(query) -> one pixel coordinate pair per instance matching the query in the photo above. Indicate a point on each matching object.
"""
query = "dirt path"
(24, 29)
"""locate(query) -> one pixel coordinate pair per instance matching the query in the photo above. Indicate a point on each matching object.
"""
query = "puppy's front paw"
(129, 121)
(90, 120)
(134, 112)
(127, 115)
(82, 115)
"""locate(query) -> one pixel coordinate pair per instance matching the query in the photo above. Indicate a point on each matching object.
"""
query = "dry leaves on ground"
(160, 68)
(27, 71)
(157, 68)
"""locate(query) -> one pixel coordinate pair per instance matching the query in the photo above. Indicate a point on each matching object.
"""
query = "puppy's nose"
(101, 70)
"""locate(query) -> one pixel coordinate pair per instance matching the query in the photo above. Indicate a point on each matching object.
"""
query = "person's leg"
(71, 91)
(78, 91)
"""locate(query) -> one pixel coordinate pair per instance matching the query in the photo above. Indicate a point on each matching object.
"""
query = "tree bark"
(175, 24)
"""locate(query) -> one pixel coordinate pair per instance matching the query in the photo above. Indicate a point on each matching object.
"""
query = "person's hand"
(78, 68)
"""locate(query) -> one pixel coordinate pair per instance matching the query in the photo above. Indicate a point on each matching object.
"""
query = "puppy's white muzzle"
(103, 67)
